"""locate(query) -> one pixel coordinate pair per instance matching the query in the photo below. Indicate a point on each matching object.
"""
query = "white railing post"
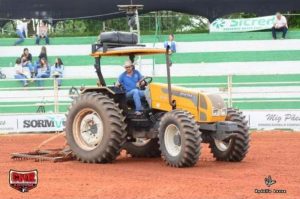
(229, 90)
(56, 101)
(153, 66)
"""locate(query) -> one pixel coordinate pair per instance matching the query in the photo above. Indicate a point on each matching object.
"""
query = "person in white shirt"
(21, 31)
(22, 72)
(280, 25)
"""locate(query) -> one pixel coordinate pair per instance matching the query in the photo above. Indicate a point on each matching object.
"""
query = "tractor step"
(54, 155)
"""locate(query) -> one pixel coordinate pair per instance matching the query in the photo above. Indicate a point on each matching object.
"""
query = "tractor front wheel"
(179, 139)
(233, 149)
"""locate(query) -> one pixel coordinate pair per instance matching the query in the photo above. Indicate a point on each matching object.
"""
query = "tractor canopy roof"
(128, 51)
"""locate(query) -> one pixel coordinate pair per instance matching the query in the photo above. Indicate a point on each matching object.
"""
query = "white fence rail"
(39, 120)
(231, 91)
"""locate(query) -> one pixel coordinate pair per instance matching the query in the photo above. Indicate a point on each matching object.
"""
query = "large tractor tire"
(143, 148)
(179, 139)
(95, 128)
(235, 148)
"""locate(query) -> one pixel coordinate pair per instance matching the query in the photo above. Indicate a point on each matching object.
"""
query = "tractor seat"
(130, 101)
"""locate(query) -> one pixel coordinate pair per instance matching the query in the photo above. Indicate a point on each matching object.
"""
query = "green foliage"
(77, 28)
(294, 21)
(169, 22)
(8, 30)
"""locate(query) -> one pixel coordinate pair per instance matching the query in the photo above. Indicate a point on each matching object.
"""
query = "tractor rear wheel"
(179, 139)
(235, 148)
(95, 128)
(143, 148)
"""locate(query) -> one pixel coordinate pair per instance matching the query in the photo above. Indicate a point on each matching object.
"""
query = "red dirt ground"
(271, 153)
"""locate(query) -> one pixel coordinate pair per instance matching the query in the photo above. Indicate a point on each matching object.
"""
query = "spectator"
(21, 31)
(43, 71)
(57, 70)
(280, 25)
(171, 43)
(27, 55)
(43, 53)
(27, 61)
(42, 33)
(22, 72)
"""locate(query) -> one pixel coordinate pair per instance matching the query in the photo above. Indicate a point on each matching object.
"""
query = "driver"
(131, 81)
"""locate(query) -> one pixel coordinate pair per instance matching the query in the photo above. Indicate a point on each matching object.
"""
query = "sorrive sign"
(32, 123)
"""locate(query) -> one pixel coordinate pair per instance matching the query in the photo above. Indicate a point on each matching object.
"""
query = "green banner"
(242, 25)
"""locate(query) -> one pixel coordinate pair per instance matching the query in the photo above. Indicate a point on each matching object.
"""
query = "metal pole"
(229, 90)
(288, 14)
(168, 64)
(137, 21)
(56, 103)
(97, 66)
(103, 26)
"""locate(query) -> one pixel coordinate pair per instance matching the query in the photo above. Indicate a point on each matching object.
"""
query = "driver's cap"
(128, 63)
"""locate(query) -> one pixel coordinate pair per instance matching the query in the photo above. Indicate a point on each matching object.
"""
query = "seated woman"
(26, 58)
(43, 71)
(22, 72)
(57, 70)
(43, 54)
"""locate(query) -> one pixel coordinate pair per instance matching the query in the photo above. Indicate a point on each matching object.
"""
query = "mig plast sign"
(242, 25)
(273, 119)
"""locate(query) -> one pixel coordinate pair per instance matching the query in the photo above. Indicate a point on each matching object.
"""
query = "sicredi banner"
(242, 25)
(32, 123)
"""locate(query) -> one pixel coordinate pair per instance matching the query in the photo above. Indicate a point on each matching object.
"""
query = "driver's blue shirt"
(129, 82)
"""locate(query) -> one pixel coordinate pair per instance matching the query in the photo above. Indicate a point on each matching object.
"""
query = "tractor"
(175, 122)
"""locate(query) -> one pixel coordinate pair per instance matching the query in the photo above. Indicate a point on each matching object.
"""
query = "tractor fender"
(103, 90)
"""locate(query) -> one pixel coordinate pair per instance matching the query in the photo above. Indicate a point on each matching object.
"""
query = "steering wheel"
(146, 80)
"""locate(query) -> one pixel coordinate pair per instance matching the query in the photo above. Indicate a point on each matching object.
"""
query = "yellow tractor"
(101, 121)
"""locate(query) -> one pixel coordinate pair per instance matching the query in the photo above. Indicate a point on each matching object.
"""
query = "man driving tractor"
(131, 80)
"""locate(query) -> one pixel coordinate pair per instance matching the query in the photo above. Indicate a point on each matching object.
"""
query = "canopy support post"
(97, 66)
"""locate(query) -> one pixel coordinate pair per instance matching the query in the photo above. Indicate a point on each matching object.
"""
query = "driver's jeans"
(136, 94)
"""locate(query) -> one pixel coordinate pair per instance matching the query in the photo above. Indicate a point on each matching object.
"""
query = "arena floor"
(271, 153)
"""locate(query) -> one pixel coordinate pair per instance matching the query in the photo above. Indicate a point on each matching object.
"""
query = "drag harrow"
(54, 155)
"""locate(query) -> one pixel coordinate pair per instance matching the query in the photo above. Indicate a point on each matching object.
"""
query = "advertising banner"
(32, 123)
(257, 119)
(8, 124)
(40, 123)
(270, 120)
(242, 25)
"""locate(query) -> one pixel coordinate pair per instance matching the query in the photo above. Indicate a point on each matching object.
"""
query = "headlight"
(224, 112)
(215, 112)
(219, 112)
